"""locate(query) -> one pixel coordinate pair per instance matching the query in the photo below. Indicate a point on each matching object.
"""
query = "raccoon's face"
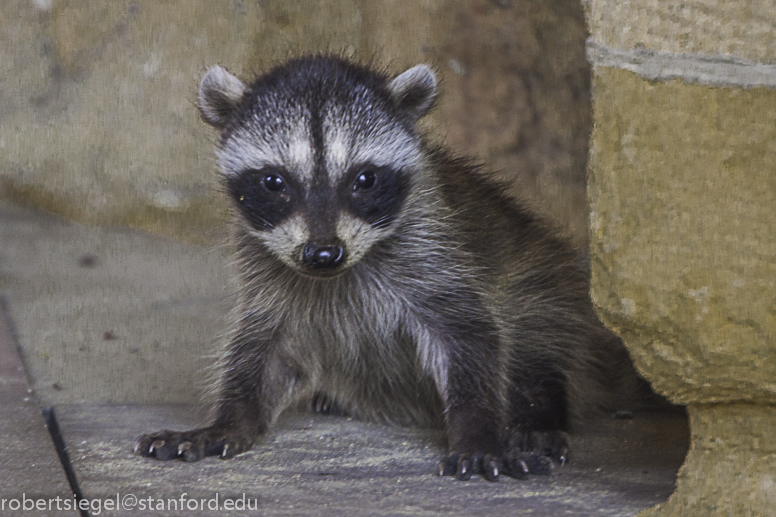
(319, 155)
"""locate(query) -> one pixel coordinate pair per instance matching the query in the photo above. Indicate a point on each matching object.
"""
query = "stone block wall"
(682, 191)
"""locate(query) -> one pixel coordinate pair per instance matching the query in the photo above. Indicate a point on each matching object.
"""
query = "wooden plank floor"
(313, 464)
(29, 466)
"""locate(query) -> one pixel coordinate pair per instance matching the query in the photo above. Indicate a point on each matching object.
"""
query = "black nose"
(321, 257)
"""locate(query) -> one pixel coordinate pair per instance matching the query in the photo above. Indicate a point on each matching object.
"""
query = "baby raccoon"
(382, 274)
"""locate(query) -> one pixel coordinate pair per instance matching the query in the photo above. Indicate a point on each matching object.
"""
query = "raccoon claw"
(325, 405)
(188, 452)
(563, 455)
(157, 447)
(536, 452)
(491, 468)
(516, 467)
(463, 466)
(448, 466)
(190, 445)
(519, 465)
(228, 452)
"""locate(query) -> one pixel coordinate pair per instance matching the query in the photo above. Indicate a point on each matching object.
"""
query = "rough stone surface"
(716, 27)
(313, 465)
(96, 100)
(110, 314)
(682, 197)
(729, 469)
(29, 466)
(517, 94)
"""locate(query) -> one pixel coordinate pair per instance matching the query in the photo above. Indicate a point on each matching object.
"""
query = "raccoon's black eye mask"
(264, 196)
(376, 194)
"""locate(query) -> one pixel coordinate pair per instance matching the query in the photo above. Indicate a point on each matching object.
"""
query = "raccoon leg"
(253, 392)
(472, 430)
(483, 399)
(469, 379)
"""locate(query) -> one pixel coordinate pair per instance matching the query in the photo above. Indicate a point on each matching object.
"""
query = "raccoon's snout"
(322, 257)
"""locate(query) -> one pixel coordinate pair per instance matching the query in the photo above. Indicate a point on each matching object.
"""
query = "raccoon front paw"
(192, 445)
(535, 452)
(463, 466)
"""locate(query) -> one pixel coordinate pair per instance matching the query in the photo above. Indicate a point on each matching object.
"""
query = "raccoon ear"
(219, 93)
(415, 90)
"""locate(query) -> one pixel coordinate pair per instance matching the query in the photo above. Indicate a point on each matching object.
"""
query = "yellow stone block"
(683, 231)
(729, 469)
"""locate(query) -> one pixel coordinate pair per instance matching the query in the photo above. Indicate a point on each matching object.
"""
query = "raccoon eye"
(274, 183)
(365, 180)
